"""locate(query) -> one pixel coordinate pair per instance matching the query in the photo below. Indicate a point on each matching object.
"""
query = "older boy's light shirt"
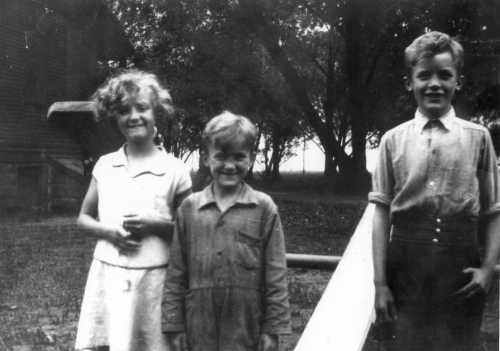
(443, 167)
(150, 189)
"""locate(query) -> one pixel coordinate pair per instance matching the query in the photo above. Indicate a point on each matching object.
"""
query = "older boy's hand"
(385, 307)
(268, 342)
(177, 341)
(479, 283)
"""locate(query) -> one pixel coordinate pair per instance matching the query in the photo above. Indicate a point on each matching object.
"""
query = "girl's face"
(136, 118)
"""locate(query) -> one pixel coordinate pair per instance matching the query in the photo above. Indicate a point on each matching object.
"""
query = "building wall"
(44, 57)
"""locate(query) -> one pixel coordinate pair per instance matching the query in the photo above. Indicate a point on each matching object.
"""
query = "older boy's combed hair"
(112, 94)
(227, 126)
(432, 43)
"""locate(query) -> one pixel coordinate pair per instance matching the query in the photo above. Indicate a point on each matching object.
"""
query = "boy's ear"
(460, 80)
(204, 157)
(407, 83)
(252, 158)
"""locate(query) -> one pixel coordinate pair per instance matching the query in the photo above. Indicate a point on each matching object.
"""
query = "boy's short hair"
(431, 44)
(112, 94)
(226, 127)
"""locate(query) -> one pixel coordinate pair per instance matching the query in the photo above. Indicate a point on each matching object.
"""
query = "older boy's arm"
(481, 277)
(384, 301)
(173, 319)
(276, 306)
(489, 197)
(492, 246)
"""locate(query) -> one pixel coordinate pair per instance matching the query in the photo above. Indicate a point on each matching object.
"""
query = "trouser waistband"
(439, 230)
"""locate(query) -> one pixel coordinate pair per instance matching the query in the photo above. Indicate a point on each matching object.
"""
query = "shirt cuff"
(277, 331)
(493, 209)
(172, 327)
(379, 198)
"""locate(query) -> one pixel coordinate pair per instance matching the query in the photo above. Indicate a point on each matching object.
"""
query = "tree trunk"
(330, 171)
(353, 176)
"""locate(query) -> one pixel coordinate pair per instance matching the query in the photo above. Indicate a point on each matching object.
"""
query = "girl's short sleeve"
(183, 179)
(98, 169)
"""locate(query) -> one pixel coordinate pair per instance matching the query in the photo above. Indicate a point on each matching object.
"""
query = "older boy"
(436, 175)
(226, 280)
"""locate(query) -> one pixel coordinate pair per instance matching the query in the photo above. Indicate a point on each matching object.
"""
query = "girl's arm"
(87, 221)
(146, 224)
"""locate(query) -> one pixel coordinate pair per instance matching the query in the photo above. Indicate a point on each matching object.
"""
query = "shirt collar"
(447, 119)
(156, 165)
(246, 196)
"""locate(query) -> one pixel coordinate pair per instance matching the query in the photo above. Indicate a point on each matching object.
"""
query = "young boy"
(435, 177)
(226, 287)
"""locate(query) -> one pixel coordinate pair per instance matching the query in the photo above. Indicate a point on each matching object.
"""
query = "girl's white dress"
(121, 306)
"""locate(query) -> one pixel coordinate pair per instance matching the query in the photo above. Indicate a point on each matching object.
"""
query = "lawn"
(43, 266)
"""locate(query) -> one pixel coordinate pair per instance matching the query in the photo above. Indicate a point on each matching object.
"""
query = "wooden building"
(50, 50)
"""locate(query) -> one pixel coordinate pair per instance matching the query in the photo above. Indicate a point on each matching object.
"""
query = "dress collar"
(157, 164)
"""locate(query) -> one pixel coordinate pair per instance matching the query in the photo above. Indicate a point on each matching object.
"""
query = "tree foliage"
(333, 68)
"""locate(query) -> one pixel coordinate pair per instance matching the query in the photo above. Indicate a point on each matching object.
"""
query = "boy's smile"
(228, 164)
(434, 81)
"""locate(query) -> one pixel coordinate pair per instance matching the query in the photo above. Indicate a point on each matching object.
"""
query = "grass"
(43, 266)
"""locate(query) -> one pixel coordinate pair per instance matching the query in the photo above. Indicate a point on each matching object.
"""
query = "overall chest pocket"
(248, 250)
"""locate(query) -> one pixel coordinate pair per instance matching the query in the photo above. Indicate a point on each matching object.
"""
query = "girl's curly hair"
(111, 96)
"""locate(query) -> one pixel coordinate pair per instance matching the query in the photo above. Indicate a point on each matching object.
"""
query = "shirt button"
(438, 220)
(435, 240)
(438, 230)
(431, 183)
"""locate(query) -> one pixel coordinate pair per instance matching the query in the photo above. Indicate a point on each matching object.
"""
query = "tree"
(338, 64)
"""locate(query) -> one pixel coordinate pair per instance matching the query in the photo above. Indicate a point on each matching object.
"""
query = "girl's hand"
(268, 342)
(122, 239)
(140, 225)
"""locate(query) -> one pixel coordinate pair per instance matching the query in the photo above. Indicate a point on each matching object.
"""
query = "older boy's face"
(434, 81)
(228, 164)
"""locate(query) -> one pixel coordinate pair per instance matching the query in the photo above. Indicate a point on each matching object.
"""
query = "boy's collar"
(446, 119)
(245, 196)
(156, 165)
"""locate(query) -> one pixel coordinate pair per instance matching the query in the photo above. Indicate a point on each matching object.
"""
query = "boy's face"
(136, 118)
(434, 81)
(229, 163)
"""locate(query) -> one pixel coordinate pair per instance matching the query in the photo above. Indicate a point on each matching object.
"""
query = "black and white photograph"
(249, 175)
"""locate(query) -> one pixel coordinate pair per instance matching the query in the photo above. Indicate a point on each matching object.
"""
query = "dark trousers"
(425, 263)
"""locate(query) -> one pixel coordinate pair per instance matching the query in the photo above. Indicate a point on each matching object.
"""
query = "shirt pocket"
(248, 250)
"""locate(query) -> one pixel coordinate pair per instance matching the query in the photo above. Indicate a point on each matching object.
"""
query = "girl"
(129, 207)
